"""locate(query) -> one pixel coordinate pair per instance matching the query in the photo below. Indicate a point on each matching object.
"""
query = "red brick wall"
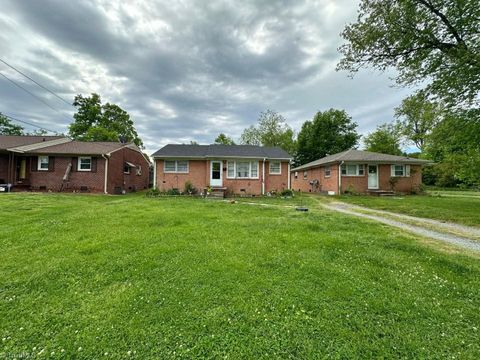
(127, 182)
(3, 168)
(299, 183)
(404, 184)
(199, 175)
(53, 180)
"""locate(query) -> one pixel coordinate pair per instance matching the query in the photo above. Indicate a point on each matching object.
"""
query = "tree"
(95, 121)
(454, 146)
(437, 40)
(8, 128)
(272, 130)
(386, 139)
(223, 139)
(329, 132)
(417, 118)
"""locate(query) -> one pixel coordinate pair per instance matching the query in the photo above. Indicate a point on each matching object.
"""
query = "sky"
(186, 70)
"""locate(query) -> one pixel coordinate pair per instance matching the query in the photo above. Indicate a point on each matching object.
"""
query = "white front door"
(216, 173)
(373, 176)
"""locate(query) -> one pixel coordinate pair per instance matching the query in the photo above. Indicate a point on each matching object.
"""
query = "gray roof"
(212, 151)
(13, 141)
(81, 148)
(353, 155)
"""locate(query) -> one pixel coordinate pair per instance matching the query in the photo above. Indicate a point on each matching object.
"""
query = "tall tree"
(417, 118)
(434, 40)
(8, 128)
(386, 139)
(95, 121)
(272, 130)
(223, 139)
(329, 132)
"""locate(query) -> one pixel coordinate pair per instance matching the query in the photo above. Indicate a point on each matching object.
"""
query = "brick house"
(233, 169)
(359, 171)
(57, 163)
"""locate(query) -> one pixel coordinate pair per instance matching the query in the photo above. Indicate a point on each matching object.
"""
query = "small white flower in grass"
(80, 348)
(63, 350)
(129, 352)
(52, 353)
(106, 353)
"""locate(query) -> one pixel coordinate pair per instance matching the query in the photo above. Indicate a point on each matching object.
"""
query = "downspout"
(154, 173)
(106, 174)
(340, 177)
(263, 176)
(289, 175)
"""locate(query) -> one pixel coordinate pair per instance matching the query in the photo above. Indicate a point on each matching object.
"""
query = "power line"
(42, 86)
(28, 123)
(29, 92)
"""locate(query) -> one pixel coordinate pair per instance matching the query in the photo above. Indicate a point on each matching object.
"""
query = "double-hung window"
(328, 171)
(400, 170)
(353, 170)
(275, 168)
(242, 169)
(175, 166)
(42, 163)
(85, 163)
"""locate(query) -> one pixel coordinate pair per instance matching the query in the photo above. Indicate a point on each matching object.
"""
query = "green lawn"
(103, 276)
(440, 205)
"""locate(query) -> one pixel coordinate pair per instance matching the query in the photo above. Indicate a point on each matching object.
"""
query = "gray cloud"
(187, 70)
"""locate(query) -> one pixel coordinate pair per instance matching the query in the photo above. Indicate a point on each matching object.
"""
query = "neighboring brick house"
(359, 171)
(57, 163)
(233, 169)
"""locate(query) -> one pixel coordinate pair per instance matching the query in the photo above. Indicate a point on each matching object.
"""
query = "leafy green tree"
(272, 130)
(329, 132)
(386, 139)
(95, 121)
(417, 118)
(434, 40)
(454, 146)
(223, 139)
(8, 128)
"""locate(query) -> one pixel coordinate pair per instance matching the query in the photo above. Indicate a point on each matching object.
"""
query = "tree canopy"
(433, 40)
(9, 128)
(271, 130)
(223, 139)
(329, 132)
(386, 139)
(95, 121)
(417, 117)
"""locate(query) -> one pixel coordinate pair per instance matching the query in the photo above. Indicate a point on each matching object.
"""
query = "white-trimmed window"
(175, 166)
(84, 163)
(398, 170)
(305, 175)
(353, 170)
(275, 168)
(296, 174)
(242, 169)
(328, 171)
(42, 163)
(126, 168)
(139, 170)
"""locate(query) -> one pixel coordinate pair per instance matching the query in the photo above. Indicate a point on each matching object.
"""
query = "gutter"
(289, 177)
(106, 174)
(154, 173)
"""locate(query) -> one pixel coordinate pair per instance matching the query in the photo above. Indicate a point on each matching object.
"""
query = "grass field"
(455, 206)
(103, 276)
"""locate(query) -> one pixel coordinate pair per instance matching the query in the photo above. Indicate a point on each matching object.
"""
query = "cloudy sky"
(186, 70)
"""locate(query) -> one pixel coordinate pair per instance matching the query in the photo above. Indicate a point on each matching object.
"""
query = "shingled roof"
(353, 155)
(221, 151)
(13, 141)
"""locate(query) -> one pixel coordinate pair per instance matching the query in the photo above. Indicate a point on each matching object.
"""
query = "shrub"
(189, 188)
(286, 192)
(154, 192)
(173, 191)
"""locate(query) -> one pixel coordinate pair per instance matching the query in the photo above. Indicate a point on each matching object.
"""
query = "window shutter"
(392, 170)
(34, 163)
(74, 164)
(51, 163)
(94, 164)
(407, 170)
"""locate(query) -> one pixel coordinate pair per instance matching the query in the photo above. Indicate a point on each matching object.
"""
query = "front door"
(21, 170)
(216, 173)
(373, 176)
